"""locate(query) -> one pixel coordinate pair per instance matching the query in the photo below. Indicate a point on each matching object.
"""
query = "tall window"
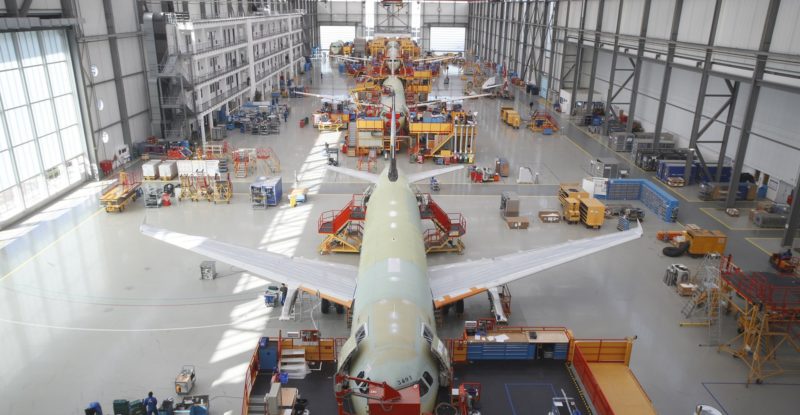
(416, 19)
(42, 145)
(369, 18)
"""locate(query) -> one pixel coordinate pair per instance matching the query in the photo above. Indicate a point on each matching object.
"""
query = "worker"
(151, 404)
(284, 290)
(286, 115)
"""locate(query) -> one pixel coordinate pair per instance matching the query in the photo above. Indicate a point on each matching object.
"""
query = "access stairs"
(293, 362)
(344, 229)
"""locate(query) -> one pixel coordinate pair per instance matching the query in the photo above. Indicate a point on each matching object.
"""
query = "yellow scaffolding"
(768, 308)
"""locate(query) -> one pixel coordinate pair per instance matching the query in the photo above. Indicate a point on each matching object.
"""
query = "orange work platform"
(344, 228)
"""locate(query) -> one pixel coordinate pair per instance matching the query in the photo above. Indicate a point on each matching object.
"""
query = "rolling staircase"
(449, 227)
(344, 228)
(293, 362)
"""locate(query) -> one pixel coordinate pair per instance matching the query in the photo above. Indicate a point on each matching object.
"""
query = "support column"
(113, 48)
(522, 39)
(723, 146)
(576, 74)
(614, 53)
(595, 51)
(662, 103)
(525, 33)
(201, 124)
(638, 67)
(752, 101)
(564, 74)
(701, 95)
(543, 26)
(553, 37)
(794, 217)
(251, 67)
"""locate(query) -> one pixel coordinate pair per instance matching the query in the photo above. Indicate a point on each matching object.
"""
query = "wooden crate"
(549, 216)
(517, 222)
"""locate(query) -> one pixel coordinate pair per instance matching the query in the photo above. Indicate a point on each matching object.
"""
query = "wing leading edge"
(335, 282)
(452, 282)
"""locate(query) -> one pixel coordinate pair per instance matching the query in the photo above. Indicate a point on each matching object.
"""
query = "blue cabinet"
(501, 351)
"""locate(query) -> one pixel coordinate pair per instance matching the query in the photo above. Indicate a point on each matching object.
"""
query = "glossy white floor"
(92, 311)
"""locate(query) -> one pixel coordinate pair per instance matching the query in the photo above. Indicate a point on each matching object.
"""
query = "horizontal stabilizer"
(363, 175)
(415, 177)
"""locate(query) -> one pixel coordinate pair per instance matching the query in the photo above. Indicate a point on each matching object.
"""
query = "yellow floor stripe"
(708, 211)
(751, 240)
(34, 256)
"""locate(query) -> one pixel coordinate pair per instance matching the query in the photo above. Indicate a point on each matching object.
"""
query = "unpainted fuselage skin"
(393, 295)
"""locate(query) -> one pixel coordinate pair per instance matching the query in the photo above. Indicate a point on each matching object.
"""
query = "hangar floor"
(90, 310)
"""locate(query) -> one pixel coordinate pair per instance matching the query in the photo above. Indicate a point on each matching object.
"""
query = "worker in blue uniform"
(151, 404)
(284, 290)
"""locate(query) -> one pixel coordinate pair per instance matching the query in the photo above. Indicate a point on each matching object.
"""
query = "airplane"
(393, 292)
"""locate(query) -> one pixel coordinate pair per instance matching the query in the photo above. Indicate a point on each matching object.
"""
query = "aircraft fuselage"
(393, 296)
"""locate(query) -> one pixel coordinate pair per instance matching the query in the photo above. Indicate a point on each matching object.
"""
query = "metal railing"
(171, 101)
(227, 69)
(208, 46)
(222, 97)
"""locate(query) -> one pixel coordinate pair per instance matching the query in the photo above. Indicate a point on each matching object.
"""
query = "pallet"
(150, 177)
(517, 222)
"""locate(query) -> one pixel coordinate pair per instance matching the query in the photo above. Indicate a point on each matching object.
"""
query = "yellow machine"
(120, 195)
(571, 190)
(510, 116)
(570, 210)
(593, 212)
(513, 119)
(702, 241)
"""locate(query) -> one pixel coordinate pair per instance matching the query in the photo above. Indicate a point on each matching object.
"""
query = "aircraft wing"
(452, 282)
(415, 177)
(335, 282)
(448, 99)
(352, 58)
(358, 174)
(430, 60)
(336, 98)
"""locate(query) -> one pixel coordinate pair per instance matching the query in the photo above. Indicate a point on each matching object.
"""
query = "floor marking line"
(48, 246)
(722, 408)
(702, 209)
(708, 210)
(100, 330)
(510, 401)
(759, 246)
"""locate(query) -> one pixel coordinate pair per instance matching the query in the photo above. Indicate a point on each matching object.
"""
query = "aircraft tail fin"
(363, 175)
(415, 177)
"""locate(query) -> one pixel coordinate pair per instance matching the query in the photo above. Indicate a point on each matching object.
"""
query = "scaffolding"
(768, 312)
(709, 300)
(243, 162)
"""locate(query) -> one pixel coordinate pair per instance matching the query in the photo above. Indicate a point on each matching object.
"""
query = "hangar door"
(330, 34)
(448, 39)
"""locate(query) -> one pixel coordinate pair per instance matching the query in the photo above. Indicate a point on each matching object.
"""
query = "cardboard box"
(686, 289)
(517, 222)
